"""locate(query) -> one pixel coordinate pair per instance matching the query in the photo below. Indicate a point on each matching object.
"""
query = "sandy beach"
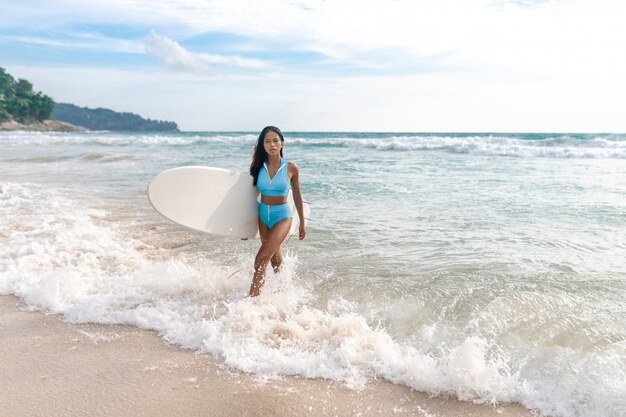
(53, 368)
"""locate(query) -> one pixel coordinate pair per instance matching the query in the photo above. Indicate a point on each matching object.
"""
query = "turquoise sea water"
(487, 266)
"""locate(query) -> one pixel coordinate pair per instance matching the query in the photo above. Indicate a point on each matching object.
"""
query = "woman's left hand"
(302, 232)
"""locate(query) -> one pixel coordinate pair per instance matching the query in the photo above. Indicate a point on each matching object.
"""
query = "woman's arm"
(297, 196)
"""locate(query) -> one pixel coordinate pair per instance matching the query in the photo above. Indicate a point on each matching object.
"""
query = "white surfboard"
(211, 200)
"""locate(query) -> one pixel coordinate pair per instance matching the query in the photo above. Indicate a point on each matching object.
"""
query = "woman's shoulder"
(292, 167)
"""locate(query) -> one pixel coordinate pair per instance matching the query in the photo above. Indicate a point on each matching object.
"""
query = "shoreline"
(50, 125)
(116, 370)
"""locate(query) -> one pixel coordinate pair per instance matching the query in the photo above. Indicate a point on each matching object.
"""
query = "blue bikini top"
(277, 186)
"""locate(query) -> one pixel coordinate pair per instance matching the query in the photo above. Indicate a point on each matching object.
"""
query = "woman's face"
(272, 143)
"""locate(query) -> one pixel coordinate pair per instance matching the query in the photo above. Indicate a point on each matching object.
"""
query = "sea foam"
(502, 145)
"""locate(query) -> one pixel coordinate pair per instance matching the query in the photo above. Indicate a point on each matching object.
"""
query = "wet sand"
(52, 368)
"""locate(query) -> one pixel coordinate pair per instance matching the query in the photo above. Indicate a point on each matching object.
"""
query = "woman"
(273, 176)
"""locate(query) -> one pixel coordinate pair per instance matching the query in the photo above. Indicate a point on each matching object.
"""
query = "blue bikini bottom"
(270, 215)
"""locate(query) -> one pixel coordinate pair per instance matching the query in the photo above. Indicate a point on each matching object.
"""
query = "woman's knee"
(261, 260)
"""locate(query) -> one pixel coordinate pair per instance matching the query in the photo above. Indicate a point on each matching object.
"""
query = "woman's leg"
(269, 246)
(277, 259)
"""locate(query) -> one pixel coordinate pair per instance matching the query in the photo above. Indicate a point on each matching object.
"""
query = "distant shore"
(42, 126)
(100, 370)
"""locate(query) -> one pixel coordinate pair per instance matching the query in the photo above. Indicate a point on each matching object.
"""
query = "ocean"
(490, 267)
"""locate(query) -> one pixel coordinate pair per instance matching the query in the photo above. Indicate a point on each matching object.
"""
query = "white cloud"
(477, 32)
(233, 60)
(87, 41)
(175, 56)
(476, 36)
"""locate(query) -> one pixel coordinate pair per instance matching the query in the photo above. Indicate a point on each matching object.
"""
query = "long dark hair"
(260, 155)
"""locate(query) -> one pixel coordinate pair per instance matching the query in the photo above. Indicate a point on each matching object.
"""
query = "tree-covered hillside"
(105, 119)
(18, 101)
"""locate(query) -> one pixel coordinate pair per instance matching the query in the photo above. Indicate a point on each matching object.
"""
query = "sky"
(322, 65)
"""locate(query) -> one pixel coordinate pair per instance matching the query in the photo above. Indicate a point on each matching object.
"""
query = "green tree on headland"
(20, 102)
